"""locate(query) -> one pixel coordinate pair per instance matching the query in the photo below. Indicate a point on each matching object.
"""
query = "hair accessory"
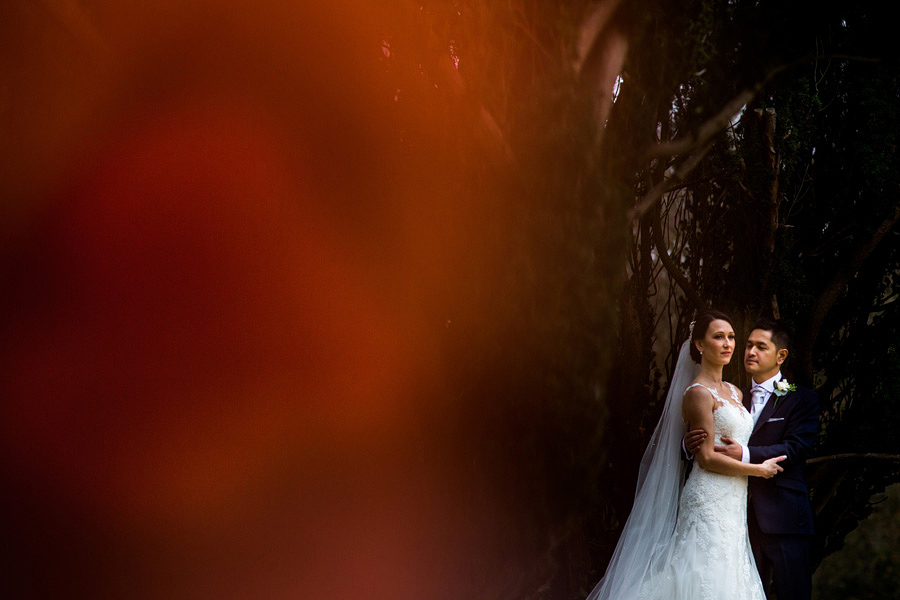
(691, 330)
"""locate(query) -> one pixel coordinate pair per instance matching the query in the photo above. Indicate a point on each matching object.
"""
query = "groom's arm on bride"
(801, 424)
(690, 444)
(697, 408)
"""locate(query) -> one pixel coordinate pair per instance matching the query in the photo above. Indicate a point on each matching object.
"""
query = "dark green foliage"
(868, 567)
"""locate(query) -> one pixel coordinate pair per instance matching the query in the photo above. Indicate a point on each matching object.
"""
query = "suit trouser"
(783, 562)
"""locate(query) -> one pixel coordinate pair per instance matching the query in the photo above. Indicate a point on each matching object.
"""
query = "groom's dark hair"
(780, 336)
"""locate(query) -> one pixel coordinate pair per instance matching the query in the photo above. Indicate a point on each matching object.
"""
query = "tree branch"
(673, 270)
(835, 287)
(599, 56)
(708, 128)
(721, 119)
(656, 192)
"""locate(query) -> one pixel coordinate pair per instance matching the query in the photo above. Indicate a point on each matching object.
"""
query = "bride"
(692, 543)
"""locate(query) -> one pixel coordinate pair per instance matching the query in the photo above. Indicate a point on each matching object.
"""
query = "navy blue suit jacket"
(787, 426)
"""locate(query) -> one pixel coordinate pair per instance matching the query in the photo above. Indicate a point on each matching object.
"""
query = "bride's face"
(718, 344)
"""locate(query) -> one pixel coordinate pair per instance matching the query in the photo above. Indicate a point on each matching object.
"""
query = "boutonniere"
(783, 387)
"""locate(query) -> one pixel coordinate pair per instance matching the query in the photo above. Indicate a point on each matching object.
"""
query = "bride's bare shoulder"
(696, 395)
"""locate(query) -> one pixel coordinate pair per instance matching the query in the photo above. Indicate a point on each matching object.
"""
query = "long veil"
(648, 530)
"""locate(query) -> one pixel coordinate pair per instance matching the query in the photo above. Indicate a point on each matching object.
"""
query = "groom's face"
(762, 358)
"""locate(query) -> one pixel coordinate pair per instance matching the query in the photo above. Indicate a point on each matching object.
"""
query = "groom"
(786, 418)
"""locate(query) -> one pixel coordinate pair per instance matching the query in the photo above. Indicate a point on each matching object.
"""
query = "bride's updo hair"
(700, 327)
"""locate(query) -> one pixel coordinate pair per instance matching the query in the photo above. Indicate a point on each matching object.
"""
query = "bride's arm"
(697, 410)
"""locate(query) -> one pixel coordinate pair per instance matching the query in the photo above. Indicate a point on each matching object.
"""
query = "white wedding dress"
(685, 541)
(709, 557)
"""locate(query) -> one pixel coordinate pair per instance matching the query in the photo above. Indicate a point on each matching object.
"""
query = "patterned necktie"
(758, 398)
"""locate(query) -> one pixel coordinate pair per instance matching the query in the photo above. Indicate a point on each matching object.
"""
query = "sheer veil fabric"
(646, 540)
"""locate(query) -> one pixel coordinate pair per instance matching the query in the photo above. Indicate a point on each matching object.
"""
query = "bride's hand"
(771, 467)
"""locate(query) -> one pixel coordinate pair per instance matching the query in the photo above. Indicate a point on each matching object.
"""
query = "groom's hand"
(693, 439)
(731, 448)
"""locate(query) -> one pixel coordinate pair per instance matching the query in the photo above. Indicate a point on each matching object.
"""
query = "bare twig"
(653, 196)
(721, 119)
(674, 272)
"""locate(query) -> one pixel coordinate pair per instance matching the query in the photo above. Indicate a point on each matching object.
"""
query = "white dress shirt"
(768, 387)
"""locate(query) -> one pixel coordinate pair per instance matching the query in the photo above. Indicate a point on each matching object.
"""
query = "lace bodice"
(734, 422)
(710, 557)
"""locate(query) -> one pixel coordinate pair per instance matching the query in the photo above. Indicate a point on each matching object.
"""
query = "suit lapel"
(769, 409)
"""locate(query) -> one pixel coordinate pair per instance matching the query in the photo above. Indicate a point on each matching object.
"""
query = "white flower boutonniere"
(783, 387)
